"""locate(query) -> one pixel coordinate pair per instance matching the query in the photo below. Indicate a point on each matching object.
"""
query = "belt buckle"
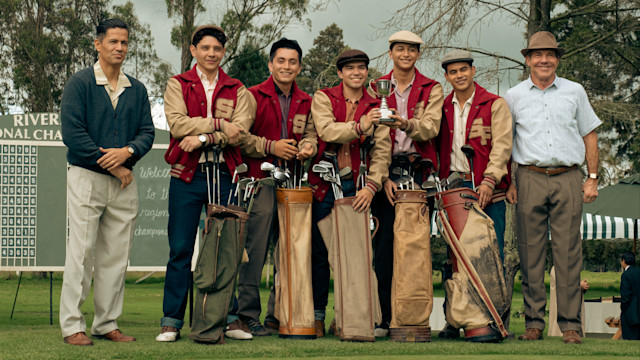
(546, 171)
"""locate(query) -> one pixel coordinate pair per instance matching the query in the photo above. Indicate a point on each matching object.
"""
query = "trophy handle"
(394, 82)
(372, 89)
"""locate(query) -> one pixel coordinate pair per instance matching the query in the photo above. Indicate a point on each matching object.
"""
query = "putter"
(469, 152)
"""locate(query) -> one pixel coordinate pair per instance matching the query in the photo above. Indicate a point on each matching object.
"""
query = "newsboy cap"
(456, 55)
(542, 40)
(405, 37)
(351, 55)
(202, 27)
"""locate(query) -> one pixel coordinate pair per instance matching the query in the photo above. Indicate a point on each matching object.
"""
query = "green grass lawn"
(29, 336)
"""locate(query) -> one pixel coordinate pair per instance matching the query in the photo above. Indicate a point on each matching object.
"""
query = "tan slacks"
(556, 200)
(101, 223)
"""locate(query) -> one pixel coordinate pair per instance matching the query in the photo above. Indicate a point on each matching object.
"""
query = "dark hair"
(219, 35)
(628, 258)
(446, 66)
(285, 43)
(101, 29)
(400, 42)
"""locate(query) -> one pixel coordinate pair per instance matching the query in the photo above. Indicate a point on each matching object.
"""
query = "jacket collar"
(223, 78)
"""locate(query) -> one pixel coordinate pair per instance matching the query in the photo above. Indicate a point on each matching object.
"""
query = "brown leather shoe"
(115, 335)
(272, 326)
(79, 339)
(571, 337)
(531, 334)
(333, 330)
(319, 328)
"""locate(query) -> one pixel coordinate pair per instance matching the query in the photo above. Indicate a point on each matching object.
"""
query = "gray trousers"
(553, 202)
(262, 228)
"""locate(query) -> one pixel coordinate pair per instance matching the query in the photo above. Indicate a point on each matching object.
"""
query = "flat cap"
(351, 55)
(542, 40)
(456, 55)
(202, 27)
(406, 37)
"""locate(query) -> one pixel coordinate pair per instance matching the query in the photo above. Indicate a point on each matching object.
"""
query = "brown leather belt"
(466, 176)
(550, 171)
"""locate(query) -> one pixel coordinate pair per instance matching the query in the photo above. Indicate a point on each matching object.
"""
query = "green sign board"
(33, 197)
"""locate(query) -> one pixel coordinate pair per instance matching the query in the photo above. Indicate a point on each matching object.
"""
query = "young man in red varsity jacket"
(474, 116)
(281, 132)
(341, 115)
(418, 104)
(204, 106)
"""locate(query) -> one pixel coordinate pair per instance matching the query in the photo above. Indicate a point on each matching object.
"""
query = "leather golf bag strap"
(294, 292)
(411, 286)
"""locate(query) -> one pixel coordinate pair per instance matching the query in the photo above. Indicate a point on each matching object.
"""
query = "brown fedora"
(543, 40)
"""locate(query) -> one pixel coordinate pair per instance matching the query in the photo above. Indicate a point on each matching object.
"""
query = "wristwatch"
(131, 150)
(593, 176)
(203, 139)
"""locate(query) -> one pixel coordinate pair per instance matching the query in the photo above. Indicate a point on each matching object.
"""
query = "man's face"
(460, 75)
(404, 56)
(354, 74)
(208, 53)
(543, 64)
(112, 49)
(285, 66)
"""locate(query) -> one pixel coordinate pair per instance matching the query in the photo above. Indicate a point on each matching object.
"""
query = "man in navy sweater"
(107, 127)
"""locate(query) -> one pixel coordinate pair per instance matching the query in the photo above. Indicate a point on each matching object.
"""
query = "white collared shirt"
(208, 89)
(459, 161)
(403, 143)
(101, 79)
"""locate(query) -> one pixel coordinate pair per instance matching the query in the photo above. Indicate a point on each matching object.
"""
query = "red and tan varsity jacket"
(489, 132)
(329, 112)
(186, 110)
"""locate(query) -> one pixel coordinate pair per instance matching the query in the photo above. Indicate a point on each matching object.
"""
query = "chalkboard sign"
(33, 197)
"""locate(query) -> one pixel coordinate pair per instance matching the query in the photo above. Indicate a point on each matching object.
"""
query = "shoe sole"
(169, 340)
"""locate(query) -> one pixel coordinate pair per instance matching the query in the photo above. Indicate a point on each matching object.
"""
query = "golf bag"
(294, 293)
(411, 286)
(216, 271)
(476, 293)
(347, 235)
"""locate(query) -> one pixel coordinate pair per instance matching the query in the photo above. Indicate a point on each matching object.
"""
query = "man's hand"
(584, 285)
(590, 190)
(232, 131)
(484, 195)
(190, 143)
(305, 153)
(373, 117)
(123, 174)
(390, 190)
(285, 149)
(512, 194)
(363, 200)
(399, 122)
(113, 157)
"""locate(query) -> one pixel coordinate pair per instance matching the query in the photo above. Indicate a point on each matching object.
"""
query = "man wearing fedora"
(418, 102)
(553, 132)
(473, 116)
(204, 107)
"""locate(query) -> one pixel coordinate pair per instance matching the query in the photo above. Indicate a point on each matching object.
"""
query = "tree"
(319, 64)
(44, 42)
(181, 34)
(250, 66)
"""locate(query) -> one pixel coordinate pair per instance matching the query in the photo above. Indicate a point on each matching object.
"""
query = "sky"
(359, 24)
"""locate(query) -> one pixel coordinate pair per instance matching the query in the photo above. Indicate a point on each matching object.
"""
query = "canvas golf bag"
(294, 292)
(216, 271)
(476, 294)
(347, 236)
(411, 286)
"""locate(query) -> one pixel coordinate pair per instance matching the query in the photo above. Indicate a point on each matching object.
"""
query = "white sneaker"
(380, 332)
(168, 334)
(238, 331)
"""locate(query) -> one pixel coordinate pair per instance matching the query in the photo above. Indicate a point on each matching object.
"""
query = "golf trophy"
(383, 90)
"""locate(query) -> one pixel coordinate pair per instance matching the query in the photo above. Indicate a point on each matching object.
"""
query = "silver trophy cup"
(384, 89)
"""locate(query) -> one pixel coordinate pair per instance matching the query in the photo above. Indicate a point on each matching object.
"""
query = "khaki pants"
(101, 223)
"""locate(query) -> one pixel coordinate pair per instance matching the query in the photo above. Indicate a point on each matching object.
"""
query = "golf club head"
(279, 175)
(425, 164)
(468, 150)
(242, 168)
(305, 177)
(344, 172)
(325, 164)
(320, 169)
(454, 181)
(399, 171)
(267, 166)
(362, 169)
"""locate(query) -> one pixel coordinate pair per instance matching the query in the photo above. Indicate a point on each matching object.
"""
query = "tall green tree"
(319, 64)
(185, 10)
(250, 66)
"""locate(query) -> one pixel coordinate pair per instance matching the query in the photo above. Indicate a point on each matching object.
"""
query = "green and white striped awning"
(606, 227)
